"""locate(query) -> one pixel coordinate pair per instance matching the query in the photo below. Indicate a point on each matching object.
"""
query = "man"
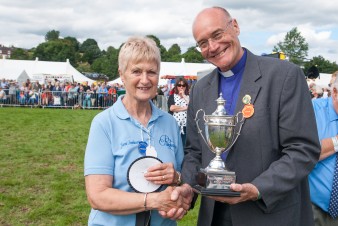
(321, 179)
(278, 145)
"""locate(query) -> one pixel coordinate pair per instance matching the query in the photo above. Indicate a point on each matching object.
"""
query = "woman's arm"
(103, 197)
(175, 108)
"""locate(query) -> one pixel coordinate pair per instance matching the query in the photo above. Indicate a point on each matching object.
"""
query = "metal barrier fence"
(63, 99)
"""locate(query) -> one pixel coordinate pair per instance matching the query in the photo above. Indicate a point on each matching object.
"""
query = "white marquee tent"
(323, 80)
(119, 81)
(188, 70)
(12, 69)
(170, 70)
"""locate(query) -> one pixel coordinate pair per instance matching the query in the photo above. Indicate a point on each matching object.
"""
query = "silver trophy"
(220, 137)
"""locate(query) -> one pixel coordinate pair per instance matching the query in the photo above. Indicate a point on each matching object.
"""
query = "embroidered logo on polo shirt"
(166, 141)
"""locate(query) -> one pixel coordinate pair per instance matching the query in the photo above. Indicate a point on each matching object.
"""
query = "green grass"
(41, 167)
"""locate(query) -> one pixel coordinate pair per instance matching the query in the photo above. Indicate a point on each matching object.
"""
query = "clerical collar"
(236, 69)
(226, 74)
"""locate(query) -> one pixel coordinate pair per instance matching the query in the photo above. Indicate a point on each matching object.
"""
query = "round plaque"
(136, 171)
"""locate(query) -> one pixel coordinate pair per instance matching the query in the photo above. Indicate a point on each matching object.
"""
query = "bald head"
(217, 32)
(213, 12)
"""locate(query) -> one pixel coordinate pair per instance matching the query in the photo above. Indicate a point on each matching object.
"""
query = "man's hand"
(185, 192)
(248, 192)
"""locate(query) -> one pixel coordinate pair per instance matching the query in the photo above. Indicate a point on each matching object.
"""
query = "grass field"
(41, 167)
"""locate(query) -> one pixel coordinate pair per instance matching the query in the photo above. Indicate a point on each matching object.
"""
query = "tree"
(294, 46)
(52, 35)
(193, 56)
(57, 50)
(87, 44)
(324, 66)
(107, 64)
(163, 50)
(74, 42)
(173, 54)
(20, 54)
(90, 50)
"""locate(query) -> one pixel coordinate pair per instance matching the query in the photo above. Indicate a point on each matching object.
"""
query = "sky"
(263, 23)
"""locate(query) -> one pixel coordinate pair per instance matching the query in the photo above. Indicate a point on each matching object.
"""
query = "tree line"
(88, 57)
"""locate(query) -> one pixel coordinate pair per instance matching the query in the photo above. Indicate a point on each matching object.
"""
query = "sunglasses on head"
(181, 85)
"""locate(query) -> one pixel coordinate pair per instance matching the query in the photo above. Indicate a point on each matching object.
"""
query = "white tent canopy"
(118, 80)
(22, 77)
(189, 70)
(323, 80)
(12, 69)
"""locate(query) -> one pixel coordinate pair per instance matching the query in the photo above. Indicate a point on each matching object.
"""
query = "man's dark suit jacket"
(276, 150)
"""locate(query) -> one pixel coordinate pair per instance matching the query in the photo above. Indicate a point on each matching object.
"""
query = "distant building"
(5, 52)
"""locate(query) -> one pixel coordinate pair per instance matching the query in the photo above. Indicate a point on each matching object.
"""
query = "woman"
(114, 139)
(178, 104)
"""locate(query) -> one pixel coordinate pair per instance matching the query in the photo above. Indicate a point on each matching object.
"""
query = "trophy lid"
(220, 110)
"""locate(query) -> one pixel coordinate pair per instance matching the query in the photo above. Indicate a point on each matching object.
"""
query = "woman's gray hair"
(137, 49)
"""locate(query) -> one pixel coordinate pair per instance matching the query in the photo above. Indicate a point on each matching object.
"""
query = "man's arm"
(327, 148)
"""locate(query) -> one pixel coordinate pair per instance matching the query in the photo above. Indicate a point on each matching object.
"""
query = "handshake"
(173, 202)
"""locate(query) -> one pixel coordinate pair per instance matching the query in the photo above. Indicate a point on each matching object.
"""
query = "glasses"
(216, 37)
(181, 85)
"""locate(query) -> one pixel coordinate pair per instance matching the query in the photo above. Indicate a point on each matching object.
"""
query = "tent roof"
(173, 69)
(11, 69)
(323, 80)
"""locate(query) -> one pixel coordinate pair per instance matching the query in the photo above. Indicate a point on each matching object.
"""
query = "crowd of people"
(59, 93)
(318, 91)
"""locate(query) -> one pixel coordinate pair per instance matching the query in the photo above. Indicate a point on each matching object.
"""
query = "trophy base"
(215, 192)
(215, 183)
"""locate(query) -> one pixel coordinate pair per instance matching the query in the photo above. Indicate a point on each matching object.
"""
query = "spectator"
(49, 86)
(72, 95)
(3, 96)
(4, 84)
(102, 95)
(87, 99)
(93, 98)
(12, 92)
(86, 86)
(322, 186)
(178, 105)
(22, 97)
(46, 97)
(28, 82)
(57, 94)
(317, 92)
(33, 96)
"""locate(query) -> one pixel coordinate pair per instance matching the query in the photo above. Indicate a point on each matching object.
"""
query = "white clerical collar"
(227, 74)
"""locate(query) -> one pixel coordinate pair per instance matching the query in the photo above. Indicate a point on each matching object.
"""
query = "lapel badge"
(248, 109)
(246, 99)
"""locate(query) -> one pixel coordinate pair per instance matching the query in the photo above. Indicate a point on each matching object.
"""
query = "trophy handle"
(239, 130)
(198, 127)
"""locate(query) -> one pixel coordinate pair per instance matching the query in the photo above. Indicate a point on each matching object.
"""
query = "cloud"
(110, 23)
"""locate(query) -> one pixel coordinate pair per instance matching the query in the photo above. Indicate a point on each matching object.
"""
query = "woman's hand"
(166, 200)
(181, 93)
(185, 191)
(163, 173)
